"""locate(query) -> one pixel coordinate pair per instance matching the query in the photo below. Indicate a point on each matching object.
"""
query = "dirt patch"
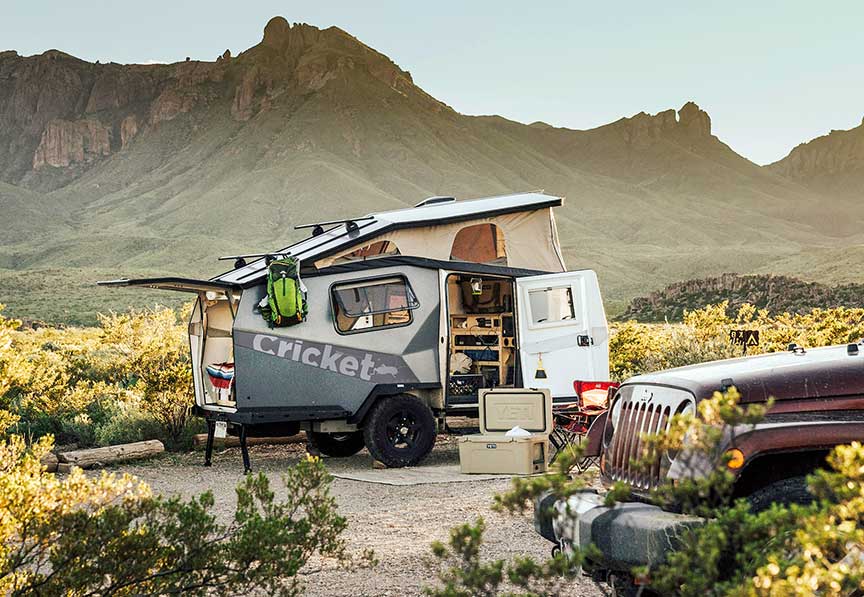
(397, 522)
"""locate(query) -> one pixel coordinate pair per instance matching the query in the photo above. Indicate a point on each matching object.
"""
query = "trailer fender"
(381, 390)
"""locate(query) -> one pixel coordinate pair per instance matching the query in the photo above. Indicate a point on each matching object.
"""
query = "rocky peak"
(694, 120)
(690, 122)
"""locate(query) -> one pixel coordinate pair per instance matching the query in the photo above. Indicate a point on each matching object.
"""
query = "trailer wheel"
(338, 445)
(400, 430)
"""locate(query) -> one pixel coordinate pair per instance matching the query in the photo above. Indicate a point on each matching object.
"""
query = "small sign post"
(744, 338)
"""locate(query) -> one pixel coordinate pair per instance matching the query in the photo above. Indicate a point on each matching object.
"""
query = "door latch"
(584, 340)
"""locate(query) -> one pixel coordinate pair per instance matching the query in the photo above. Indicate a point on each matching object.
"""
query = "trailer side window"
(373, 304)
(551, 304)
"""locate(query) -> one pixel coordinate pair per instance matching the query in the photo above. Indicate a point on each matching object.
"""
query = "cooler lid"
(501, 409)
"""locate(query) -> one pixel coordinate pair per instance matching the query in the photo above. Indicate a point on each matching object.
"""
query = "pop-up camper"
(408, 314)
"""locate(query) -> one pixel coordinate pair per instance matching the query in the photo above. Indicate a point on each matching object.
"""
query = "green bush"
(110, 535)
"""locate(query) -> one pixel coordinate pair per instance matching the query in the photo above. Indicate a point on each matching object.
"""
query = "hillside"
(777, 294)
(832, 164)
(164, 167)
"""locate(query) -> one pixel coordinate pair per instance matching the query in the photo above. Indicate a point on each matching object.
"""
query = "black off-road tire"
(785, 491)
(400, 430)
(338, 445)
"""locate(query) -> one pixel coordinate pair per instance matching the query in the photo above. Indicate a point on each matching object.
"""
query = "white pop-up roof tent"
(513, 230)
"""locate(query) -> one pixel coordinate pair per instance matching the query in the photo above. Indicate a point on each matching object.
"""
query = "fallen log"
(49, 461)
(95, 457)
(200, 439)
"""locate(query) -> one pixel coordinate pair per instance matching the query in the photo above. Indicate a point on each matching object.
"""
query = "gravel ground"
(398, 523)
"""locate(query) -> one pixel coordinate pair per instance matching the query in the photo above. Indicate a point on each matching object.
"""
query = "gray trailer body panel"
(310, 371)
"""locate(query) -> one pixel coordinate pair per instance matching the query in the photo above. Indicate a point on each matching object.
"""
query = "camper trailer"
(409, 314)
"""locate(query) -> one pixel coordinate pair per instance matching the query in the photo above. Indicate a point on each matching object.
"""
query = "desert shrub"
(154, 359)
(126, 422)
(128, 378)
(703, 336)
(109, 535)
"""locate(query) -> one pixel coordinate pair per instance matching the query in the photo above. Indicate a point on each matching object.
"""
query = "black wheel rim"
(403, 430)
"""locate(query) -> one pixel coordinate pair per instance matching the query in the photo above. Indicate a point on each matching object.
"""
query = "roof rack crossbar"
(331, 222)
(257, 255)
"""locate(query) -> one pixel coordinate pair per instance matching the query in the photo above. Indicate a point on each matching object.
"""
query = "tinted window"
(362, 306)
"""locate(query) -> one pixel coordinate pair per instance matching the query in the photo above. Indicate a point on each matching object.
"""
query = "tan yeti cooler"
(491, 451)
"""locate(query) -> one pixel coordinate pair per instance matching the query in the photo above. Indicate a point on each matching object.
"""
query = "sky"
(770, 74)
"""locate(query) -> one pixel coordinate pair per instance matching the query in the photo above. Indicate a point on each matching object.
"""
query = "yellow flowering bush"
(703, 336)
(127, 379)
(825, 553)
(109, 535)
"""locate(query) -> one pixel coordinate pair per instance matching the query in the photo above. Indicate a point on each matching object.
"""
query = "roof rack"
(318, 227)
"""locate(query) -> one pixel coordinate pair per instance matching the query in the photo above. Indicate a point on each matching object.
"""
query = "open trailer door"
(178, 284)
(563, 335)
(210, 333)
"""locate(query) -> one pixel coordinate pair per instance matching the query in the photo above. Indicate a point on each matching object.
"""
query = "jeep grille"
(643, 410)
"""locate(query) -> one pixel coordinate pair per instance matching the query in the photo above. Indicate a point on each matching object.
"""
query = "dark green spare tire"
(400, 430)
(338, 445)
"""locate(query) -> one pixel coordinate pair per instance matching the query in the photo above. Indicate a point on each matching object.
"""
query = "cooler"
(492, 451)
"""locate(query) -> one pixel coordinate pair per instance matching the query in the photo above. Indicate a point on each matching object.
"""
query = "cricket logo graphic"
(350, 362)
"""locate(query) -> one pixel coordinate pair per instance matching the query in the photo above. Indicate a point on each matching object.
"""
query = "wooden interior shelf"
(482, 338)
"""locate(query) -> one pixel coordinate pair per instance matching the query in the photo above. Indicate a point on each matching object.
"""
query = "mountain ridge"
(163, 167)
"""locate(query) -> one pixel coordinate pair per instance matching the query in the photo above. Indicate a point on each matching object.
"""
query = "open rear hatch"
(178, 284)
(210, 335)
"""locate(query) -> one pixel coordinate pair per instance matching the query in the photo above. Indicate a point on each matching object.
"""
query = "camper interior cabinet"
(408, 315)
(482, 341)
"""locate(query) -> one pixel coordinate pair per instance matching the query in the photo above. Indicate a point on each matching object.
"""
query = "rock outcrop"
(833, 163)
(58, 111)
(690, 123)
(65, 143)
(777, 294)
(128, 130)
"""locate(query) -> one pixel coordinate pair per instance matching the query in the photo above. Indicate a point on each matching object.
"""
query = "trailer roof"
(341, 235)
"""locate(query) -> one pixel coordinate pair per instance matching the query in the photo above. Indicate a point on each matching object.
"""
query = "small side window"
(549, 305)
(373, 304)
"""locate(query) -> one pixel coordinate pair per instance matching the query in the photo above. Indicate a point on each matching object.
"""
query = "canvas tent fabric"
(529, 240)
(428, 231)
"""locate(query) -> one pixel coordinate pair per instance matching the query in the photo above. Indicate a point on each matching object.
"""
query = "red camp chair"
(572, 422)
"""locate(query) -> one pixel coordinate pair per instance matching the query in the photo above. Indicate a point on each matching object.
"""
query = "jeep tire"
(338, 445)
(785, 491)
(400, 430)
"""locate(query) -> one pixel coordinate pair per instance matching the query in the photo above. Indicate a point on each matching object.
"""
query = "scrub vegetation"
(110, 535)
(816, 549)
(129, 378)
(703, 336)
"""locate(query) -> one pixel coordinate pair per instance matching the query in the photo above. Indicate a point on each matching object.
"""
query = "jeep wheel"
(338, 445)
(785, 491)
(400, 430)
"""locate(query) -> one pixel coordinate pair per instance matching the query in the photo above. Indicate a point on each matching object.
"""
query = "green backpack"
(286, 296)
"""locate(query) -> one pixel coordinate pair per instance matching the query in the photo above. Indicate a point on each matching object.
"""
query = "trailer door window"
(549, 305)
(373, 304)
